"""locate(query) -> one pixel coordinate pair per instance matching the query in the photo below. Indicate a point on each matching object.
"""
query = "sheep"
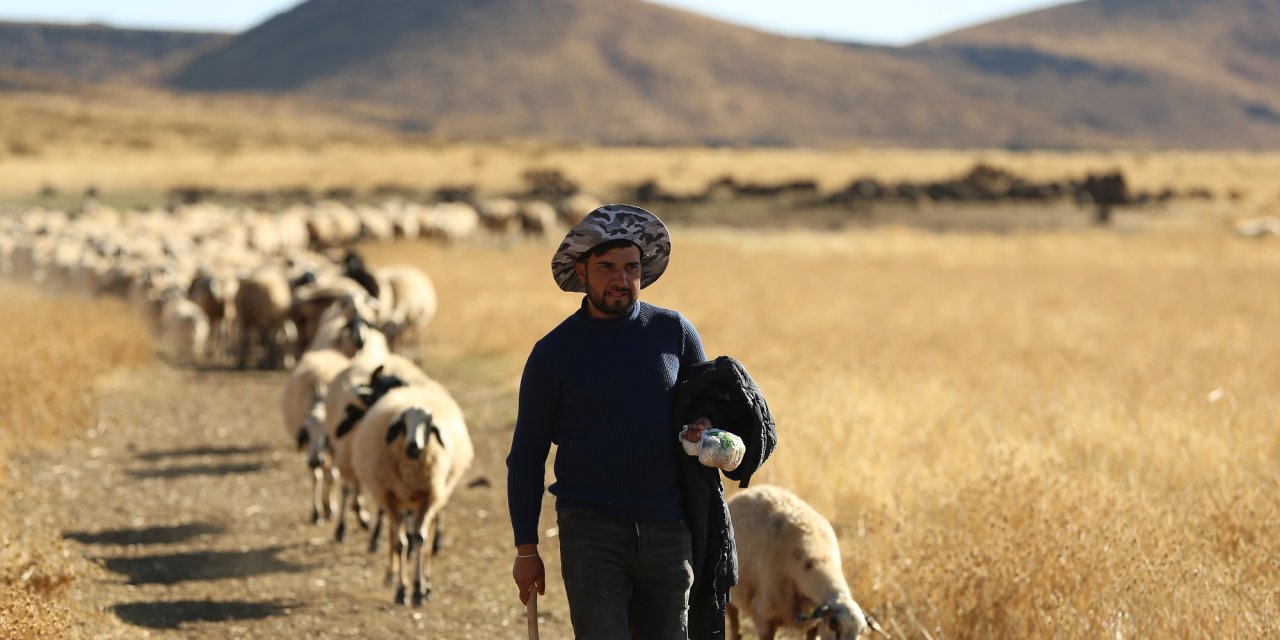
(262, 307)
(183, 329)
(1258, 227)
(302, 409)
(347, 325)
(414, 304)
(448, 221)
(320, 311)
(790, 574)
(537, 218)
(347, 398)
(375, 224)
(215, 294)
(410, 453)
(497, 214)
(572, 208)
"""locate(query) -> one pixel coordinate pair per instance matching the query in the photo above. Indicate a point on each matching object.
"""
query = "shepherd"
(601, 387)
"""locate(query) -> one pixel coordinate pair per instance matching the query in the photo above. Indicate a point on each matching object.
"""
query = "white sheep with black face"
(789, 569)
(302, 408)
(349, 396)
(410, 452)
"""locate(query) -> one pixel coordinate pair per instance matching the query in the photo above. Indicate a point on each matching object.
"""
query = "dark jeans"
(625, 580)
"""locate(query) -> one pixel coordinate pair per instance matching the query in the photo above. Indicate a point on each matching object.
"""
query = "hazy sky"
(870, 21)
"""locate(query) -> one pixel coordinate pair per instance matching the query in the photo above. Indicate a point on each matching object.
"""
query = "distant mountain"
(606, 70)
(1100, 73)
(1190, 72)
(94, 53)
(1231, 46)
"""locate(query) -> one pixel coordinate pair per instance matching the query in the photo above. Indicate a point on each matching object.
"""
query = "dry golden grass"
(55, 351)
(1053, 435)
(130, 140)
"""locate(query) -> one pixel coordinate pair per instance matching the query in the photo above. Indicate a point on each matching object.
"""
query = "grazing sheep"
(1258, 227)
(448, 221)
(790, 574)
(302, 408)
(537, 218)
(410, 453)
(413, 305)
(572, 208)
(183, 329)
(375, 224)
(353, 267)
(215, 294)
(497, 214)
(262, 309)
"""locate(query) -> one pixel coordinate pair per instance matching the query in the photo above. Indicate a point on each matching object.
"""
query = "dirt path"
(194, 512)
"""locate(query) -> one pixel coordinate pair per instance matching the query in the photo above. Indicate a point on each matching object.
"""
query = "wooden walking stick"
(531, 613)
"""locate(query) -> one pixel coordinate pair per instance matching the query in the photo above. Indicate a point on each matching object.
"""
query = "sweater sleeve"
(530, 443)
(691, 345)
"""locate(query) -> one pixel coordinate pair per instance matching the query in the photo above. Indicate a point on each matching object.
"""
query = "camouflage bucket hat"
(613, 222)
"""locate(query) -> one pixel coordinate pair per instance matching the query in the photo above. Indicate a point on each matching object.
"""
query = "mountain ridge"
(625, 71)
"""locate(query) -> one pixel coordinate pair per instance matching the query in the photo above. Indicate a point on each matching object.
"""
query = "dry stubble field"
(1066, 435)
(1057, 435)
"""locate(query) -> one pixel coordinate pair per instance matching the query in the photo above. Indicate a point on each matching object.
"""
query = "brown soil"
(191, 511)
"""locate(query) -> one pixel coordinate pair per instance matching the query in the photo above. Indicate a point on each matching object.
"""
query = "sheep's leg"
(424, 521)
(215, 328)
(245, 338)
(377, 532)
(811, 634)
(319, 506)
(330, 496)
(735, 631)
(362, 513)
(767, 629)
(398, 549)
(340, 533)
(438, 538)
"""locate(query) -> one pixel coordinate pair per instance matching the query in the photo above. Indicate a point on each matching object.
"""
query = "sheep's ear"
(432, 429)
(353, 416)
(397, 429)
(364, 393)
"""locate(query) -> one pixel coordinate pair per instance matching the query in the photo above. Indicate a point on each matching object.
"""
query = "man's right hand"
(529, 572)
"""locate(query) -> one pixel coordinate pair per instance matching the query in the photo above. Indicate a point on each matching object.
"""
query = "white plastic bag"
(716, 448)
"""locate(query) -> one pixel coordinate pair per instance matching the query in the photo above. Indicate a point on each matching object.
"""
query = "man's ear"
(580, 268)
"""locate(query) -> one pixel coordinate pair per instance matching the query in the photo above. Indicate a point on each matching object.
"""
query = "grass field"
(55, 353)
(1040, 434)
(133, 145)
(1044, 435)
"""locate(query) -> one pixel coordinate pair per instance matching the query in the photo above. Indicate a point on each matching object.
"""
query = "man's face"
(613, 281)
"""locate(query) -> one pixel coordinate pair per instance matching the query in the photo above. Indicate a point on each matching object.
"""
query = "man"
(600, 386)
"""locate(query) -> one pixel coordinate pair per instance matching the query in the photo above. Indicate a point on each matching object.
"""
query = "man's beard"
(618, 308)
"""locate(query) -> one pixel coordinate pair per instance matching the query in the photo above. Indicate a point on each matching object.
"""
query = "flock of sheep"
(382, 439)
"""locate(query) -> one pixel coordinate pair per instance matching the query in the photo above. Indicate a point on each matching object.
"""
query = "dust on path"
(193, 512)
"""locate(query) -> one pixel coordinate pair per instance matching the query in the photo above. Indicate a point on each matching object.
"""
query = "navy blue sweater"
(601, 390)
